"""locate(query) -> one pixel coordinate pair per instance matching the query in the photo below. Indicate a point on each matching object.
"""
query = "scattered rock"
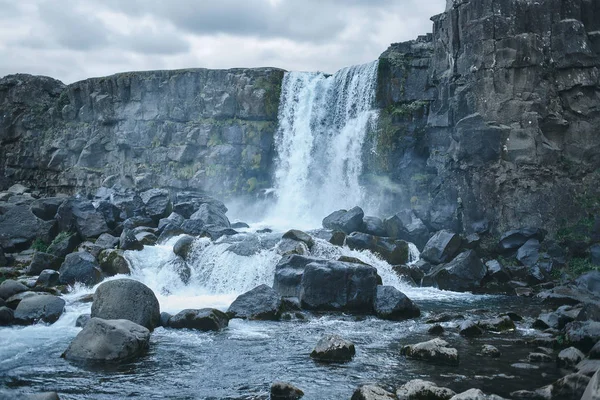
(107, 241)
(407, 226)
(437, 351)
(260, 303)
(524, 366)
(285, 391)
(569, 358)
(45, 308)
(183, 246)
(469, 328)
(338, 238)
(444, 317)
(499, 324)
(126, 299)
(157, 203)
(514, 239)
(113, 262)
(206, 319)
(42, 261)
(475, 394)
(418, 389)
(529, 253)
(539, 358)
(583, 335)
(372, 392)
(82, 320)
(10, 287)
(391, 304)
(462, 274)
(289, 272)
(128, 241)
(592, 391)
(436, 329)
(209, 214)
(490, 351)
(442, 247)
(374, 226)
(80, 216)
(299, 236)
(164, 319)
(333, 348)
(64, 244)
(587, 367)
(108, 341)
(48, 278)
(7, 316)
(80, 267)
(240, 225)
(345, 221)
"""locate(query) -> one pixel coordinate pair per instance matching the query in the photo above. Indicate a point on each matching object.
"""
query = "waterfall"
(323, 122)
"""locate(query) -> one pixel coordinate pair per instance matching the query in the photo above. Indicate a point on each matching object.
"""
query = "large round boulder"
(205, 319)
(36, 308)
(127, 299)
(10, 287)
(392, 304)
(260, 303)
(108, 341)
(80, 267)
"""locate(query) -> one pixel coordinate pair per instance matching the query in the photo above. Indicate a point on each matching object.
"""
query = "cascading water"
(323, 123)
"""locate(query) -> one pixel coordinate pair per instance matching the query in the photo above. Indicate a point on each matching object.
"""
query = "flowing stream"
(323, 123)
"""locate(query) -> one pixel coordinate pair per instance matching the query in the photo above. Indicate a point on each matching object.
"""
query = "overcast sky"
(76, 39)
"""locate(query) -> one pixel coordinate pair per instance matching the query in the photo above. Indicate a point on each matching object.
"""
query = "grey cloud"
(149, 42)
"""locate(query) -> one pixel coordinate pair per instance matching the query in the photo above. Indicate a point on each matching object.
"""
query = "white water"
(323, 122)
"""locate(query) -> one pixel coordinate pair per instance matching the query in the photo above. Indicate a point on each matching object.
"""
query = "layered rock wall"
(493, 120)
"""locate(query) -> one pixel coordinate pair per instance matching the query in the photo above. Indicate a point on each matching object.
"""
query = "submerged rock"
(392, 304)
(205, 319)
(470, 329)
(333, 348)
(127, 299)
(372, 392)
(437, 351)
(108, 341)
(285, 391)
(260, 303)
(418, 389)
(490, 351)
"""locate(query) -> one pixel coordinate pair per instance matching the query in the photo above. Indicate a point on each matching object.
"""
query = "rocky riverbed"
(160, 294)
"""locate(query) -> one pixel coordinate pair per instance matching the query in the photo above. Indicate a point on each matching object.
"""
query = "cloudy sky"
(76, 39)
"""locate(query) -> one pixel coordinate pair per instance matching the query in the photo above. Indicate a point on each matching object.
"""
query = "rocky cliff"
(209, 129)
(492, 121)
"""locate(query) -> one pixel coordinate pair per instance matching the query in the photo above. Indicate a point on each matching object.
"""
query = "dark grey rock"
(289, 272)
(583, 335)
(333, 348)
(138, 221)
(338, 238)
(590, 281)
(42, 261)
(108, 341)
(475, 394)
(14, 300)
(469, 328)
(499, 324)
(260, 303)
(569, 358)
(80, 216)
(7, 316)
(592, 391)
(405, 225)
(111, 213)
(285, 391)
(420, 389)
(91, 248)
(46, 208)
(44, 308)
(128, 241)
(126, 299)
(372, 392)
(113, 262)
(436, 329)
(442, 247)
(490, 351)
(391, 304)
(183, 246)
(595, 254)
(206, 319)
(164, 319)
(335, 285)
(48, 278)
(345, 221)
(587, 367)
(529, 253)
(173, 219)
(64, 244)
(146, 238)
(299, 236)
(539, 358)
(436, 351)
(394, 251)
(373, 226)
(157, 203)
(80, 267)
(239, 225)
(211, 215)
(464, 273)
(82, 320)
(497, 271)
(19, 227)
(516, 238)
(107, 241)
(11, 287)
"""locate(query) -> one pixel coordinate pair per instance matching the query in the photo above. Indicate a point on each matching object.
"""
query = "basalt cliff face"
(489, 123)
(492, 122)
(209, 129)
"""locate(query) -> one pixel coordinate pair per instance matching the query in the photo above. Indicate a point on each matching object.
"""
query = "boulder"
(107, 241)
(80, 216)
(138, 221)
(334, 285)
(568, 387)
(288, 274)
(470, 329)
(111, 213)
(595, 255)
(372, 392)
(592, 391)
(146, 238)
(418, 389)
(333, 348)
(206, 319)
(64, 244)
(587, 367)
(128, 241)
(345, 221)
(183, 246)
(287, 247)
(569, 358)
(126, 299)
(590, 281)
(299, 236)
(529, 254)
(436, 330)
(48, 278)
(490, 351)
(285, 391)
(497, 271)
(14, 300)
(7, 316)
(173, 219)
(10, 287)
(436, 351)
(82, 320)
(157, 203)
(42, 261)
(3, 259)
(19, 227)
(539, 358)
(407, 226)
(475, 394)
(46, 208)
(239, 225)
(583, 335)
(80, 267)
(393, 251)
(464, 273)
(442, 247)
(499, 324)
(44, 308)
(211, 215)
(90, 247)
(164, 319)
(338, 238)
(391, 304)
(260, 303)
(516, 238)
(215, 232)
(113, 262)
(373, 226)
(108, 341)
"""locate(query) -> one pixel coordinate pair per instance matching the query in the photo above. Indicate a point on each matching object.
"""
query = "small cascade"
(323, 123)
